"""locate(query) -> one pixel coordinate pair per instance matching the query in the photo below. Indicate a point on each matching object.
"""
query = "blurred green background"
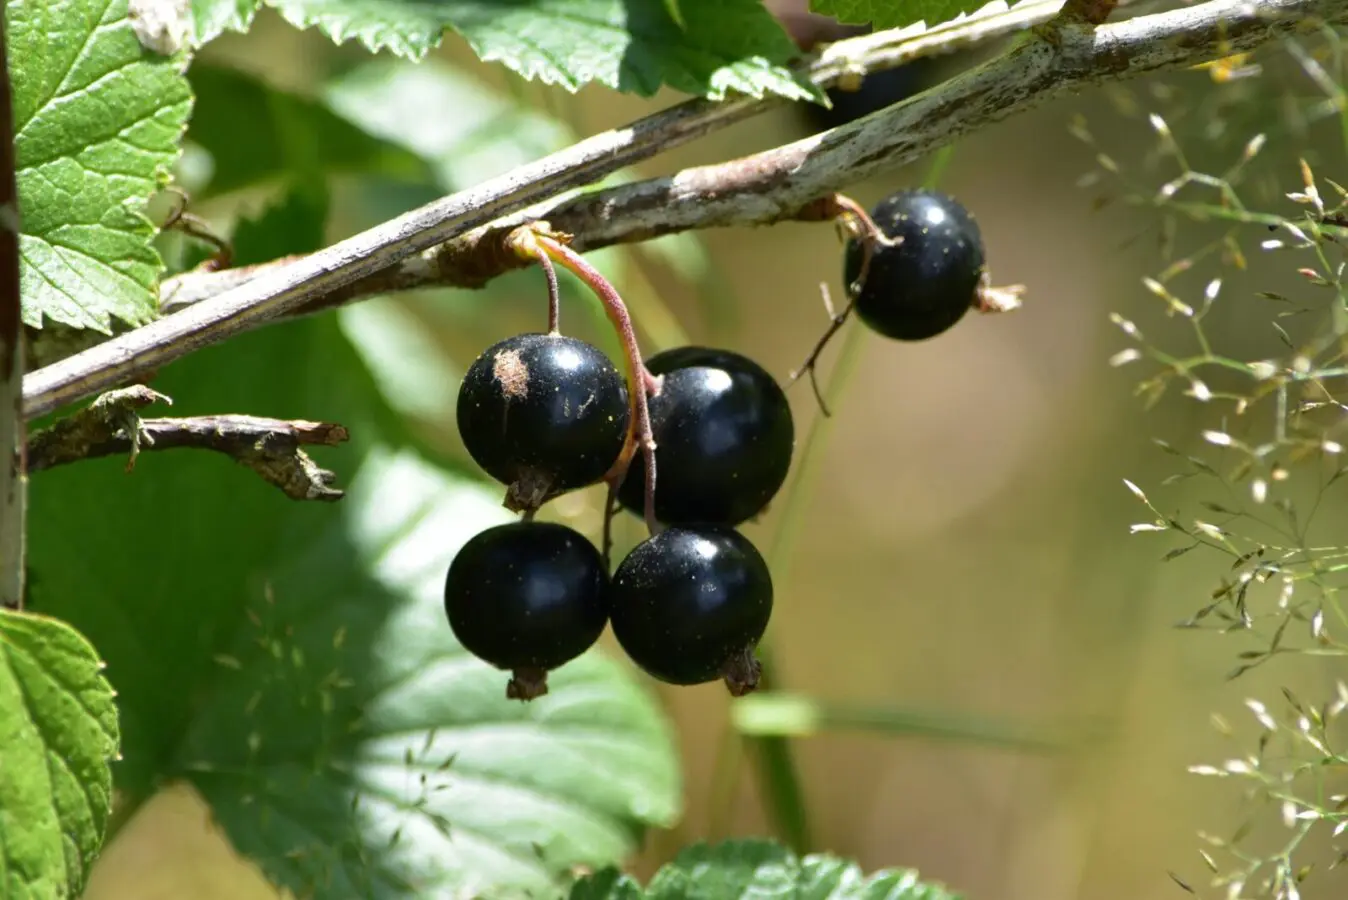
(964, 549)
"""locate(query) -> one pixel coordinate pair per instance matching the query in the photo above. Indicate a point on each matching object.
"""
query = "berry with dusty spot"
(543, 414)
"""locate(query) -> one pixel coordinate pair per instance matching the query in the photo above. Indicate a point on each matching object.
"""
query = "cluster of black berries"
(545, 414)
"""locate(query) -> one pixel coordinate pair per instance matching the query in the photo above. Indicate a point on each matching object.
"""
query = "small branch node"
(270, 447)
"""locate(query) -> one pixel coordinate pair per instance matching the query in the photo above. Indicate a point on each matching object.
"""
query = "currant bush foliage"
(739, 870)
(289, 661)
(888, 14)
(97, 122)
(1261, 465)
(58, 734)
(628, 45)
(297, 672)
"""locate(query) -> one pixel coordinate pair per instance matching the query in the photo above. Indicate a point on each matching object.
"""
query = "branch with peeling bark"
(280, 291)
(111, 426)
(788, 182)
(785, 183)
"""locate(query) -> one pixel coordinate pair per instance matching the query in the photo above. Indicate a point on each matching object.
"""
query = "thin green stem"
(13, 479)
(796, 715)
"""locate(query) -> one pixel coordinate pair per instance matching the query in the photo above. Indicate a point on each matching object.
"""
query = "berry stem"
(554, 294)
(837, 319)
(856, 223)
(530, 240)
(524, 242)
(193, 226)
(610, 510)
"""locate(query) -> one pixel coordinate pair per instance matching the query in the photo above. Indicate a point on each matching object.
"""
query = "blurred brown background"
(966, 549)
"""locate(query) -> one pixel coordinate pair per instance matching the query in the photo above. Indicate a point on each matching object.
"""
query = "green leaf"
(97, 120)
(58, 732)
(629, 45)
(675, 13)
(210, 18)
(703, 47)
(169, 553)
(412, 369)
(288, 136)
(758, 869)
(884, 14)
(292, 660)
(486, 136)
(414, 752)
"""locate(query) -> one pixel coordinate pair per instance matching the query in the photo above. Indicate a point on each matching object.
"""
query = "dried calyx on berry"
(543, 414)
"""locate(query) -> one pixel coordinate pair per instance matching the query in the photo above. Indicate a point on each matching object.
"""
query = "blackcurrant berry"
(875, 91)
(543, 414)
(689, 606)
(723, 437)
(527, 597)
(924, 285)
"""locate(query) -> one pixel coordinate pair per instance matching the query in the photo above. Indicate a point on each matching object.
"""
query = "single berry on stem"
(690, 605)
(723, 435)
(866, 93)
(924, 284)
(913, 267)
(527, 597)
(543, 414)
(854, 224)
(535, 240)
